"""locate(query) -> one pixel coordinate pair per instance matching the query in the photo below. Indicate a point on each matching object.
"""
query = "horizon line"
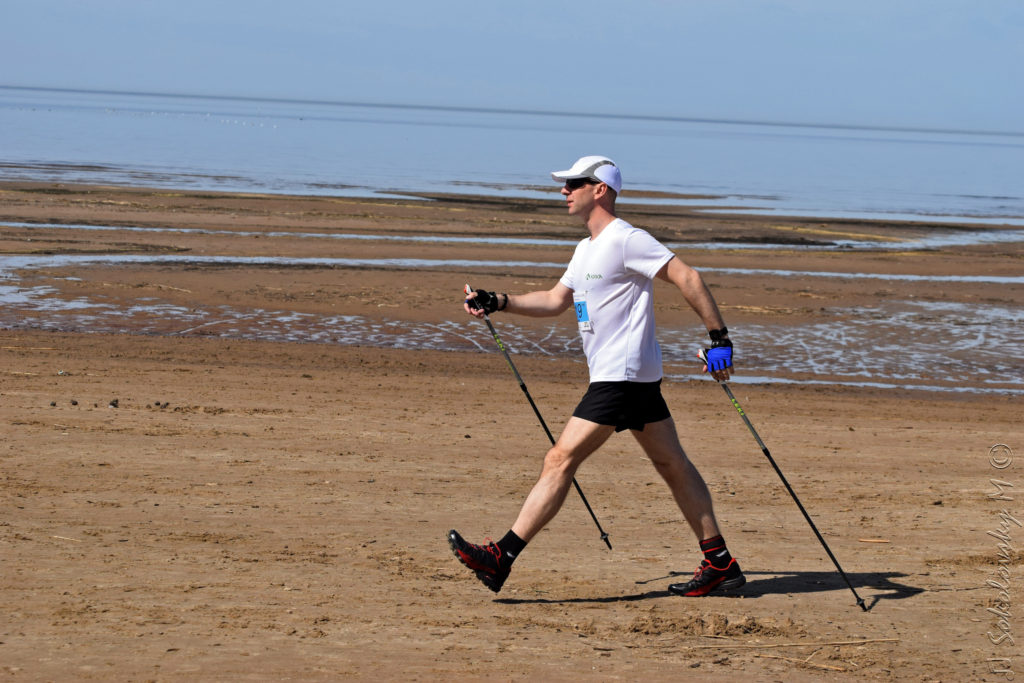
(529, 112)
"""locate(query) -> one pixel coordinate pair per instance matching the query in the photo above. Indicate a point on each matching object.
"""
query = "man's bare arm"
(540, 304)
(696, 293)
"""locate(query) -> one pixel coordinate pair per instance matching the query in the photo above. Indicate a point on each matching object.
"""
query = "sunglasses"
(576, 183)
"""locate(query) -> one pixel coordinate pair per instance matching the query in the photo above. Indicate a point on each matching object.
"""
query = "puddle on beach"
(10, 264)
(939, 346)
(951, 238)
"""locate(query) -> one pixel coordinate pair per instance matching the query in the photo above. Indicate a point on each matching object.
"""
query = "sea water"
(365, 149)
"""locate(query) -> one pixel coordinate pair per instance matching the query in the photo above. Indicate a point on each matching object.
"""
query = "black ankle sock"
(511, 545)
(715, 552)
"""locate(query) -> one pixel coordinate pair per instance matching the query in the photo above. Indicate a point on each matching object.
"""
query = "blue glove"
(719, 356)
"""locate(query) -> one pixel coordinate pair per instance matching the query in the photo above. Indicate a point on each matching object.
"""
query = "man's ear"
(604, 194)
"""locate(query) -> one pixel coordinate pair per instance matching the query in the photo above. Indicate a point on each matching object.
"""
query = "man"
(609, 282)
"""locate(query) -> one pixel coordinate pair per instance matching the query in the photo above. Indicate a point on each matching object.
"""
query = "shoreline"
(550, 200)
(703, 204)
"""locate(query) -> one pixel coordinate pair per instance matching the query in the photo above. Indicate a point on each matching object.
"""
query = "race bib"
(582, 316)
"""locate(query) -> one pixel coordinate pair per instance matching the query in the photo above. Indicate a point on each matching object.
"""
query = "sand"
(182, 504)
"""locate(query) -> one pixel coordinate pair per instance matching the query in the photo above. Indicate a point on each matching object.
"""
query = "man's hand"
(718, 359)
(481, 302)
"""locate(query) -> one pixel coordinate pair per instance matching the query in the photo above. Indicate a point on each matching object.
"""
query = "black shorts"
(626, 405)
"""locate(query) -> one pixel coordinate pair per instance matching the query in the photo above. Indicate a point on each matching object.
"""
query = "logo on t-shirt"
(594, 276)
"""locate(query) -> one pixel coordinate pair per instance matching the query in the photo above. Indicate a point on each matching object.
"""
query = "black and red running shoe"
(710, 578)
(490, 565)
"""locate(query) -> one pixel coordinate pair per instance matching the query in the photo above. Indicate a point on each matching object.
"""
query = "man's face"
(579, 195)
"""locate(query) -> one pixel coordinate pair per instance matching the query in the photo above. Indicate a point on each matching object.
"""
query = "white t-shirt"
(612, 282)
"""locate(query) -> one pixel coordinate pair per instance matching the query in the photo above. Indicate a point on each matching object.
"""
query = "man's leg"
(661, 444)
(579, 439)
(492, 562)
(718, 570)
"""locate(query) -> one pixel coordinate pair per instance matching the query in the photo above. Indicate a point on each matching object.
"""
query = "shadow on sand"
(772, 583)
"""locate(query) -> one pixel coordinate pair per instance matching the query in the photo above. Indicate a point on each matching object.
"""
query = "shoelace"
(490, 547)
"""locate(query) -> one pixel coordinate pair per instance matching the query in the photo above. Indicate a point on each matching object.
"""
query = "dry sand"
(255, 510)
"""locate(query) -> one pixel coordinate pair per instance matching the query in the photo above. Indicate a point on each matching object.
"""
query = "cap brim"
(568, 175)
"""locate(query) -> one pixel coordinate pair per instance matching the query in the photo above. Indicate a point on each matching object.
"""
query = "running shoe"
(487, 561)
(709, 578)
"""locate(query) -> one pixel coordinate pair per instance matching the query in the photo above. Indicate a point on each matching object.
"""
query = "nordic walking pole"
(764, 449)
(522, 385)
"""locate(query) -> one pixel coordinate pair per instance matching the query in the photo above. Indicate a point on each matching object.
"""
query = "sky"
(947, 64)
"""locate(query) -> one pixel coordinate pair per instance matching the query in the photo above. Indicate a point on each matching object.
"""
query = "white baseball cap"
(594, 167)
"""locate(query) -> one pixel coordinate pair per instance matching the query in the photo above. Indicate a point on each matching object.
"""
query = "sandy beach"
(183, 499)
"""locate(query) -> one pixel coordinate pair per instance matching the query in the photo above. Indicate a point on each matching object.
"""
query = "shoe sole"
(731, 584)
(724, 586)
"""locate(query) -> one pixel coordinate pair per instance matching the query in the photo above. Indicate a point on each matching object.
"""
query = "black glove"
(485, 301)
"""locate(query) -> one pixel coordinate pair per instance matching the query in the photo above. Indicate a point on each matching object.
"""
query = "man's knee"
(559, 461)
(667, 454)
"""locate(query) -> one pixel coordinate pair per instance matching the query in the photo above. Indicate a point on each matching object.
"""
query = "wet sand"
(253, 509)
